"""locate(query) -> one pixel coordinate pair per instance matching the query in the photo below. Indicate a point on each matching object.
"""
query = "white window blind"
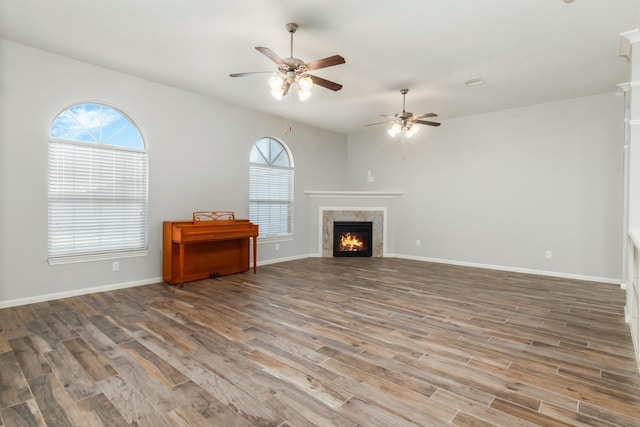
(271, 189)
(97, 202)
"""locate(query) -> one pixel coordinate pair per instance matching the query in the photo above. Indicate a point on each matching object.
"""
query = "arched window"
(271, 188)
(97, 185)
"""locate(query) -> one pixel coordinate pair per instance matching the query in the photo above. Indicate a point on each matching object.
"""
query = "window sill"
(275, 239)
(96, 257)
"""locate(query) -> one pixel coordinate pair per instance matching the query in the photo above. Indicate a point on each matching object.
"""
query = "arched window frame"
(271, 189)
(97, 185)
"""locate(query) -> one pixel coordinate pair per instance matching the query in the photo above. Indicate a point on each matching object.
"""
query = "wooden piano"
(213, 244)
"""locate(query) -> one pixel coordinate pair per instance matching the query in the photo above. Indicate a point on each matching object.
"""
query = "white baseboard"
(74, 293)
(84, 291)
(277, 260)
(502, 268)
(512, 269)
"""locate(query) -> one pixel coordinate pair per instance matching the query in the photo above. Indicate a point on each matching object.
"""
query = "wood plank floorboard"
(326, 342)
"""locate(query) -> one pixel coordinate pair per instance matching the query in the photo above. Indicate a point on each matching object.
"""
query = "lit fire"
(350, 243)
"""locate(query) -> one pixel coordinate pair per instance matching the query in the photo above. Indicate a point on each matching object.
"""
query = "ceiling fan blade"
(387, 115)
(425, 122)
(379, 123)
(422, 116)
(325, 62)
(252, 73)
(325, 83)
(271, 55)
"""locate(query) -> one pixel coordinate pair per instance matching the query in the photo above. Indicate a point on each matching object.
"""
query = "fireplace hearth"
(352, 238)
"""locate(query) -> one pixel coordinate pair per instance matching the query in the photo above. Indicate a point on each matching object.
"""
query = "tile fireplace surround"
(375, 215)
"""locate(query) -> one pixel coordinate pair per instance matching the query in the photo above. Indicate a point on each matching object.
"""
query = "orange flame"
(350, 243)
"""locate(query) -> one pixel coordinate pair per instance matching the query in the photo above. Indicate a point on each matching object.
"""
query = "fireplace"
(352, 238)
(376, 215)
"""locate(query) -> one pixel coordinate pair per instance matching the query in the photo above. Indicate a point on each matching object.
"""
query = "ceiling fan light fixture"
(277, 93)
(304, 87)
(279, 85)
(412, 130)
(276, 83)
(305, 83)
(395, 129)
(303, 94)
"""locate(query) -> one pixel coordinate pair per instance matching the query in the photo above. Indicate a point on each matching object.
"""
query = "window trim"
(119, 253)
(280, 237)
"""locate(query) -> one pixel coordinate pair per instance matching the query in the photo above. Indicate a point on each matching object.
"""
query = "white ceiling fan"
(293, 70)
(406, 121)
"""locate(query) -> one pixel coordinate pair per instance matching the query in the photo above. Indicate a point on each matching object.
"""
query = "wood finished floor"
(326, 342)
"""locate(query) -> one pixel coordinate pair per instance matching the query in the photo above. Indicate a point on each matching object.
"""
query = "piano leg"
(181, 270)
(255, 253)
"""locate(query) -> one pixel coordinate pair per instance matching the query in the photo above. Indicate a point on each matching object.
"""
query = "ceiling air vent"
(474, 81)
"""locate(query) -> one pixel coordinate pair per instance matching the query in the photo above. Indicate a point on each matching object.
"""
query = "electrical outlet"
(369, 179)
(547, 254)
(277, 246)
(115, 266)
(418, 243)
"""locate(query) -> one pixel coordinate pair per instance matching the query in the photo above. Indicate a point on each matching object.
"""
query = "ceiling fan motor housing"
(292, 27)
(293, 64)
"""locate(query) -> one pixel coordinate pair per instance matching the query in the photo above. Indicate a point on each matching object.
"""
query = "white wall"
(198, 157)
(500, 189)
(496, 189)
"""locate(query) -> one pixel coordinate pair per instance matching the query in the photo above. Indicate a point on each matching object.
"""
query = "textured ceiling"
(527, 51)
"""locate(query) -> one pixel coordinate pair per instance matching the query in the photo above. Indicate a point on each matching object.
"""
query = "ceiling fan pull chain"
(287, 119)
